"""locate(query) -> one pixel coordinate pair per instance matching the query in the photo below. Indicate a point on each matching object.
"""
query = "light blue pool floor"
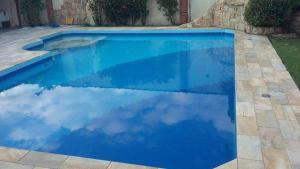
(165, 101)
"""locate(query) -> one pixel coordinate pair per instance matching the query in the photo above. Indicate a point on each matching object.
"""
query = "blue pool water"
(150, 98)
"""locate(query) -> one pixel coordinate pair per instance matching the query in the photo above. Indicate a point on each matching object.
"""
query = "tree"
(31, 9)
(169, 7)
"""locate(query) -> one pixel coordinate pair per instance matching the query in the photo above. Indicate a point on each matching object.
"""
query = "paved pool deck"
(268, 108)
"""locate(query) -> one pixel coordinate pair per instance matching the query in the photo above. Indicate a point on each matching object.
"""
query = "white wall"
(200, 7)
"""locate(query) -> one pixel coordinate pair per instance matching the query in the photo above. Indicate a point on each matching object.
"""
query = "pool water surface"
(149, 97)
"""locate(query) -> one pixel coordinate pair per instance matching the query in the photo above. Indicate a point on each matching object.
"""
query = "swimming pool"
(163, 98)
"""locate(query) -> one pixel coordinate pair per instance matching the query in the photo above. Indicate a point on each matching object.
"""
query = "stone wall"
(224, 14)
(70, 8)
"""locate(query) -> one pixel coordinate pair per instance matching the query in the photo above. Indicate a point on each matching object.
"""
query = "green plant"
(267, 12)
(144, 12)
(294, 4)
(119, 12)
(169, 7)
(31, 9)
(139, 11)
(97, 11)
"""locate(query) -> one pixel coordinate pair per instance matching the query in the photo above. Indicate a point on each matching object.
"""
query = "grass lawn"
(289, 50)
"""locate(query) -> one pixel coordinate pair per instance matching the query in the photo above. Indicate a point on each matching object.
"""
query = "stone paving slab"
(267, 93)
(267, 104)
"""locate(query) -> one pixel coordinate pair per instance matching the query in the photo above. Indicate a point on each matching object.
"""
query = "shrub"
(169, 7)
(97, 10)
(119, 12)
(267, 12)
(144, 12)
(139, 11)
(294, 4)
(31, 9)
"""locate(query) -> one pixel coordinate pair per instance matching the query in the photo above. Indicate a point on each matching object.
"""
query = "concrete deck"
(268, 108)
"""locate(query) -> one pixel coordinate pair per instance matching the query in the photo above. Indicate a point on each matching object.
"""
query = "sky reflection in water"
(158, 102)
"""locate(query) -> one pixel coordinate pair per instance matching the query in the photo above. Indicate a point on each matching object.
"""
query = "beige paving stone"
(271, 138)
(278, 111)
(284, 75)
(245, 96)
(254, 70)
(279, 98)
(229, 165)
(265, 63)
(247, 126)
(251, 57)
(275, 159)
(292, 144)
(298, 118)
(274, 87)
(266, 119)
(249, 147)
(259, 91)
(262, 103)
(294, 155)
(43, 159)
(289, 130)
(84, 163)
(115, 165)
(296, 109)
(293, 148)
(242, 76)
(11, 155)
(295, 124)
(250, 164)
(293, 96)
(267, 70)
(242, 69)
(9, 165)
(289, 112)
(245, 109)
(257, 82)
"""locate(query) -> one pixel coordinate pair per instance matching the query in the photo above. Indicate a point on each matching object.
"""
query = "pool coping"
(268, 135)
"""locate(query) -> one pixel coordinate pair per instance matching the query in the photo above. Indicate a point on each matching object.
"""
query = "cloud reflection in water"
(123, 116)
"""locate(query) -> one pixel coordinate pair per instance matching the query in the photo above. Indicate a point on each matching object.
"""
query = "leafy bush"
(119, 12)
(97, 10)
(31, 9)
(294, 4)
(139, 11)
(169, 7)
(267, 12)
